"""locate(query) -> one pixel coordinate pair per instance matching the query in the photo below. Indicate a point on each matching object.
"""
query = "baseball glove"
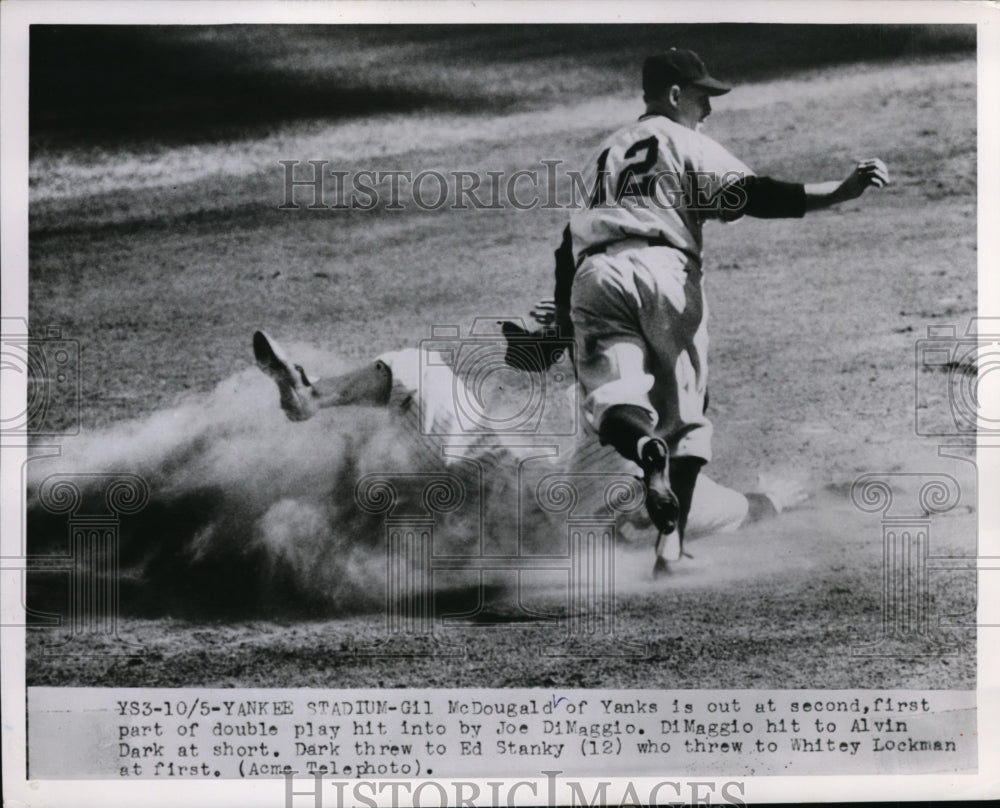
(534, 351)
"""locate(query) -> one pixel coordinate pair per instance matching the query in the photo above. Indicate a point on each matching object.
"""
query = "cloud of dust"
(249, 512)
(252, 514)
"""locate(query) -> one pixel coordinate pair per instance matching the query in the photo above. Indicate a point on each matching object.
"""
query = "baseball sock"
(683, 476)
(623, 427)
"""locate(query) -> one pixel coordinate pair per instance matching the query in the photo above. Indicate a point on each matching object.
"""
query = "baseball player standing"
(637, 304)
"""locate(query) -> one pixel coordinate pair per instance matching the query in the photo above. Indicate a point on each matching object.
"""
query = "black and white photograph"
(485, 355)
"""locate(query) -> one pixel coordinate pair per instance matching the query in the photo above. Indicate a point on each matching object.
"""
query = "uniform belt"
(640, 241)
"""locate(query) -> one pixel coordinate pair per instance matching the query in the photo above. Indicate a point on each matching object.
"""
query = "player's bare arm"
(871, 173)
(767, 198)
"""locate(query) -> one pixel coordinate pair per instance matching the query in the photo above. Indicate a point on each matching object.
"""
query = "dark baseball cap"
(682, 67)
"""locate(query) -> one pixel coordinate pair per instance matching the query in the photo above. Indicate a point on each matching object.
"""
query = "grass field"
(161, 255)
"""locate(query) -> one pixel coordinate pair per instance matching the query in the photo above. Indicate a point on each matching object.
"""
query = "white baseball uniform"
(638, 305)
(423, 396)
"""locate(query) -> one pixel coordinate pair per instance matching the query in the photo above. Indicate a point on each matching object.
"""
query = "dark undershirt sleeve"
(565, 270)
(763, 198)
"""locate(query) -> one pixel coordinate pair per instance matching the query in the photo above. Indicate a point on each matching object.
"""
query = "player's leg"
(672, 322)
(417, 387)
(301, 397)
(629, 429)
(715, 509)
(684, 472)
(718, 509)
(612, 369)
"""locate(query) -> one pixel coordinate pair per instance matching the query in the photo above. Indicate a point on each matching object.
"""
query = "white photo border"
(17, 15)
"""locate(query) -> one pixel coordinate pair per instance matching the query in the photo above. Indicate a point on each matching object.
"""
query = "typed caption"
(171, 734)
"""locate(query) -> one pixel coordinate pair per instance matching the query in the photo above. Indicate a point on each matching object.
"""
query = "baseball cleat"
(293, 385)
(661, 503)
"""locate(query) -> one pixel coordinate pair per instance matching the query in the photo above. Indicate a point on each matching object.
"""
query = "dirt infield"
(160, 260)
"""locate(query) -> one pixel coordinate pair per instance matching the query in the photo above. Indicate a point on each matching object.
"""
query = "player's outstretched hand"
(544, 312)
(784, 494)
(866, 174)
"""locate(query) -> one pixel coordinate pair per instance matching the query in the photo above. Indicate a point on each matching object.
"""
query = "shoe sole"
(272, 360)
